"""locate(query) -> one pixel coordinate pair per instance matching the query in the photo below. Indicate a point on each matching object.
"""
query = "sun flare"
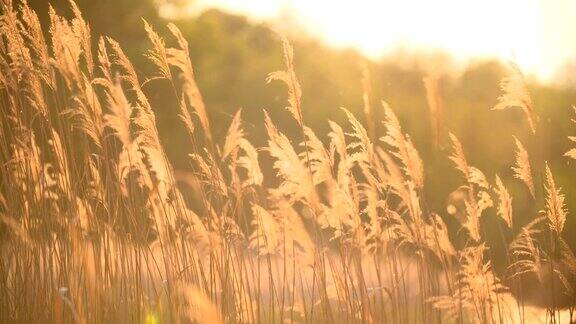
(524, 31)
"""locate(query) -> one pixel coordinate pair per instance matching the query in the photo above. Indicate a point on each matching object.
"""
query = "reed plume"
(522, 169)
(515, 94)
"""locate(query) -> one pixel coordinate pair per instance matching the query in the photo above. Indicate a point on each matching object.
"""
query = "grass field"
(96, 226)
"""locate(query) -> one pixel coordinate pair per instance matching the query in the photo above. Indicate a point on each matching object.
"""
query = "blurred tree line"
(233, 56)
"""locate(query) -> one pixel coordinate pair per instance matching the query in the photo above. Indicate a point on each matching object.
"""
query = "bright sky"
(540, 35)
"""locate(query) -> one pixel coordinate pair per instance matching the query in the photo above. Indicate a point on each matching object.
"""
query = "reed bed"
(95, 227)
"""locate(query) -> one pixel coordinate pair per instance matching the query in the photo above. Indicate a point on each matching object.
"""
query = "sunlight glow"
(534, 33)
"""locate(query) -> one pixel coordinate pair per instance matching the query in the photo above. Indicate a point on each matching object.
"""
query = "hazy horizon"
(533, 33)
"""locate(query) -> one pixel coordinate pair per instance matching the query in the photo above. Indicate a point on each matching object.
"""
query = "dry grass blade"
(295, 177)
(234, 135)
(317, 157)
(555, 207)
(67, 47)
(33, 32)
(249, 162)
(120, 111)
(289, 78)
(404, 149)
(472, 175)
(504, 208)
(524, 248)
(82, 31)
(477, 198)
(522, 169)
(363, 149)
(458, 157)
(515, 94)
(266, 237)
(157, 55)
(476, 290)
(128, 73)
(180, 58)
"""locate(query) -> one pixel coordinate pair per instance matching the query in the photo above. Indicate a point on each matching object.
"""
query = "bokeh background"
(233, 53)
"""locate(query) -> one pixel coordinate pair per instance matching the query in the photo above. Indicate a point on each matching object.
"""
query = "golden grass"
(96, 228)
